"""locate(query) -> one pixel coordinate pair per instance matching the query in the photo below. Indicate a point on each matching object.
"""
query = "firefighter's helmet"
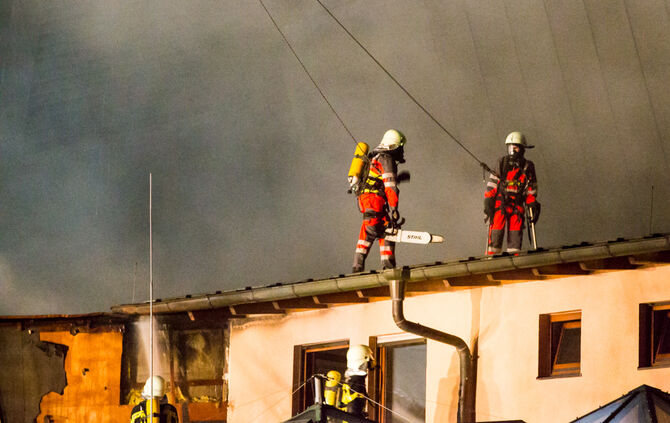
(334, 375)
(360, 357)
(517, 138)
(391, 140)
(158, 388)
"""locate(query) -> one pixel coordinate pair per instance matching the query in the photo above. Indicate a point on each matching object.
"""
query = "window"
(654, 337)
(560, 344)
(400, 381)
(309, 360)
(198, 357)
(191, 360)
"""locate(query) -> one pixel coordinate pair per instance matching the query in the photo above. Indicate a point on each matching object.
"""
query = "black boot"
(359, 263)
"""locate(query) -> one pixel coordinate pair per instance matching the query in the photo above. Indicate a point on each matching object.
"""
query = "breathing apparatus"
(516, 147)
(153, 395)
(332, 392)
(358, 171)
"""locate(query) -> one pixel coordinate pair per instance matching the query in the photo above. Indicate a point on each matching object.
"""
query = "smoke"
(160, 347)
(20, 298)
(249, 162)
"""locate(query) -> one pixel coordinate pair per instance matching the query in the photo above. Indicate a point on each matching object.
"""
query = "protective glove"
(396, 221)
(535, 208)
(403, 176)
(489, 208)
(395, 215)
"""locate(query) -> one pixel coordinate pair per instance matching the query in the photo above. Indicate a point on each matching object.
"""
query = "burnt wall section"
(30, 369)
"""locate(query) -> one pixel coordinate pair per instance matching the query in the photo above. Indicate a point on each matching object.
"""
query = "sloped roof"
(70, 322)
(541, 264)
(643, 404)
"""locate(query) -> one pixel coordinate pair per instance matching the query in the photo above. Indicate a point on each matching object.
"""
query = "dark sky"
(249, 163)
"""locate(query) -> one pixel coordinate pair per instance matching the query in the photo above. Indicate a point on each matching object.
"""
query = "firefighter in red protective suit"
(378, 200)
(508, 196)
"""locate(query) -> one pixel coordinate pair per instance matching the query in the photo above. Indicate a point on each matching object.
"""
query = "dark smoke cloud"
(249, 163)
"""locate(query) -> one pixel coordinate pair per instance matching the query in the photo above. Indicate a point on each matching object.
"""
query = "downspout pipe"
(467, 385)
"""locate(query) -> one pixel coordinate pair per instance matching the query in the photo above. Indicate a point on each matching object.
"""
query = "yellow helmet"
(334, 375)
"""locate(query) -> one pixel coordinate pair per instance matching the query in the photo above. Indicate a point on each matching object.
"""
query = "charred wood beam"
(651, 258)
(379, 292)
(427, 286)
(253, 308)
(612, 263)
(217, 316)
(350, 297)
(514, 275)
(200, 382)
(565, 269)
(472, 280)
(302, 303)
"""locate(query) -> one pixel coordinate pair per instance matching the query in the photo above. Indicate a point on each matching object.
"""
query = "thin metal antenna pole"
(151, 305)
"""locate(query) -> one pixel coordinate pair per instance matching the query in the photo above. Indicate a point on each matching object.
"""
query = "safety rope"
(369, 399)
(281, 399)
(430, 115)
(307, 72)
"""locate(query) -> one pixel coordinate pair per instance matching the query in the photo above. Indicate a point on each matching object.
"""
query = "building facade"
(550, 346)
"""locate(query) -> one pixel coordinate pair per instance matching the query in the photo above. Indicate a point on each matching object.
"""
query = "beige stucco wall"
(505, 320)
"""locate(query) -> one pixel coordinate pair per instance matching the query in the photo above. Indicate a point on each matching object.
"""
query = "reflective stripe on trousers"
(512, 217)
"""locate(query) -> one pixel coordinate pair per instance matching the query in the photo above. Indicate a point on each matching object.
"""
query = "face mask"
(399, 154)
(515, 154)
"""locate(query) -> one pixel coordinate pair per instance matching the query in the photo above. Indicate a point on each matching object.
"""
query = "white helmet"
(159, 388)
(391, 140)
(517, 138)
(359, 357)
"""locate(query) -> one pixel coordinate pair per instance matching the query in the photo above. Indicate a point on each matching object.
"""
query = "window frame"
(548, 366)
(649, 355)
(376, 379)
(299, 391)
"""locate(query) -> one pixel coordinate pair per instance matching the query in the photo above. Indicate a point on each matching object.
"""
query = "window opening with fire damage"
(191, 360)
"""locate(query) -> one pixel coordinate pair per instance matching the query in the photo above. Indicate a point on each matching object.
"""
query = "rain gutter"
(346, 283)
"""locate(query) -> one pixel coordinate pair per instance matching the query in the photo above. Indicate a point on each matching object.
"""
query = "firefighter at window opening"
(378, 200)
(163, 412)
(507, 196)
(359, 361)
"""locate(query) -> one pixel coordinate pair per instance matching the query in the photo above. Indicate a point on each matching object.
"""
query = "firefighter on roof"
(378, 199)
(508, 194)
(155, 400)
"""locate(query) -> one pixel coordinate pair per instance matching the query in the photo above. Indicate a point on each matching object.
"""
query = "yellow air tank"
(332, 390)
(155, 410)
(358, 164)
